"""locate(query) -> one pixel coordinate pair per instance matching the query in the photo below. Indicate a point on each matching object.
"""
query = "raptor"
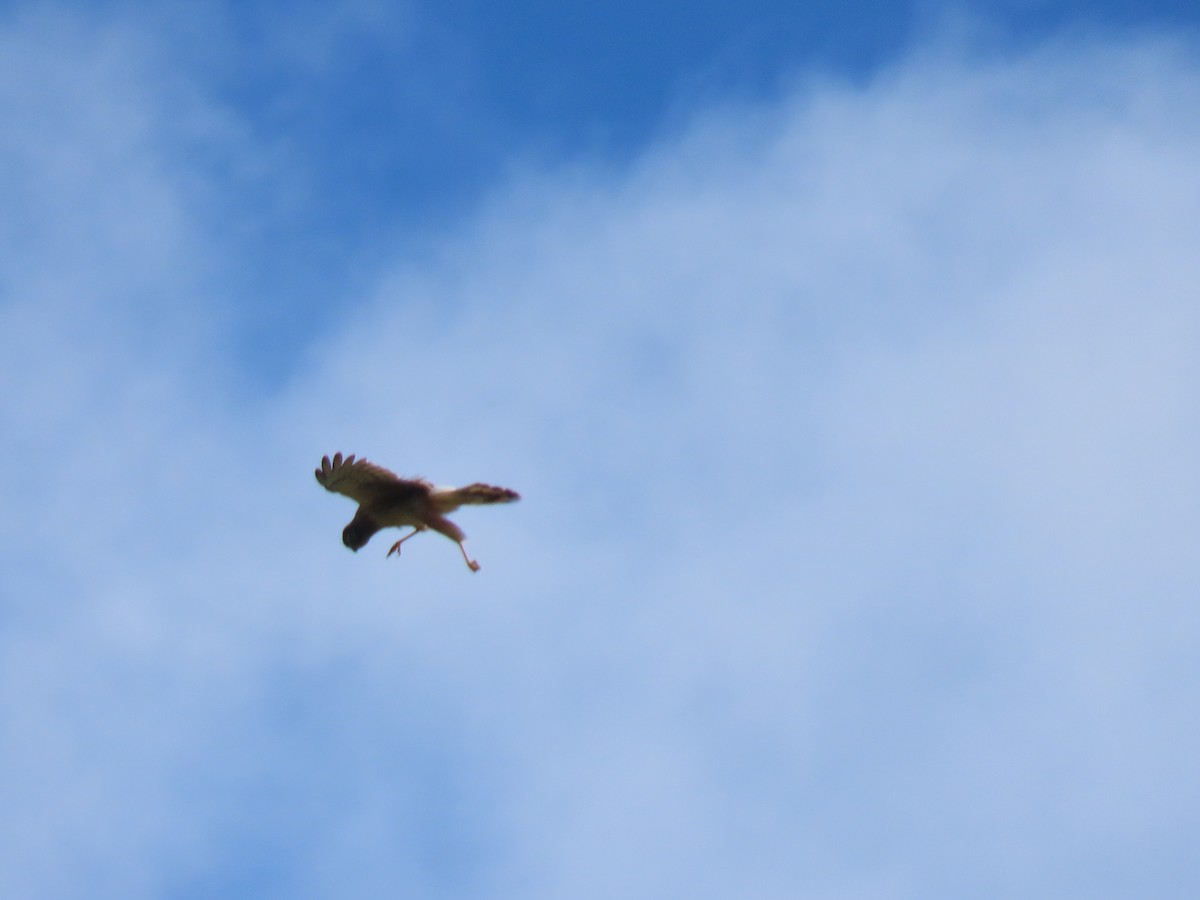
(385, 501)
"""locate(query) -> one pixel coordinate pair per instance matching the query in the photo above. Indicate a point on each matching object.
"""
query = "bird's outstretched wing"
(359, 480)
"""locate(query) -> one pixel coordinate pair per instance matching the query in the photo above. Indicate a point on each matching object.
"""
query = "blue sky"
(844, 357)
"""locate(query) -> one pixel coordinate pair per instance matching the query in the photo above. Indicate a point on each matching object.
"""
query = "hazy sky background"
(845, 357)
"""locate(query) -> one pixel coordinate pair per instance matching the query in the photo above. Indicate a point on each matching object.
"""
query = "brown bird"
(386, 501)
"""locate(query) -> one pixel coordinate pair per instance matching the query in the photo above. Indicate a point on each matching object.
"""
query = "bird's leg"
(442, 525)
(396, 546)
(471, 564)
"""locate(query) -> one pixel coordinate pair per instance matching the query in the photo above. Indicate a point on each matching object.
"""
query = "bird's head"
(358, 532)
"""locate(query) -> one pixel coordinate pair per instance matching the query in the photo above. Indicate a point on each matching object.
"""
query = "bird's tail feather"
(447, 499)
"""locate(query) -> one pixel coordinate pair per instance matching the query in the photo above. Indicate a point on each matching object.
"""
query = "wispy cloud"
(857, 438)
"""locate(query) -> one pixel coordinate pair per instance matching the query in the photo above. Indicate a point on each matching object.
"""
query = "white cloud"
(856, 434)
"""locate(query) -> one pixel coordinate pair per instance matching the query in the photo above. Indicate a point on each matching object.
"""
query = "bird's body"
(388, 501)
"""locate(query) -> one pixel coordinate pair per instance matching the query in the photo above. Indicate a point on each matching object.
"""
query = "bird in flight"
(386, 500)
